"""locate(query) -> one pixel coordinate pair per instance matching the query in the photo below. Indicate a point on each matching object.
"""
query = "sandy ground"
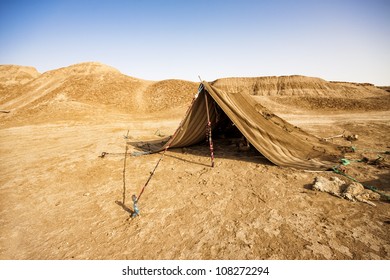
(60, 200)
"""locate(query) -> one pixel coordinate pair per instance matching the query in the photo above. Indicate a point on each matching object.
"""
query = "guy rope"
(137, 198)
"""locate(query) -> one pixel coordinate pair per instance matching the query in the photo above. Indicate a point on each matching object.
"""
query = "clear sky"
(341, 40)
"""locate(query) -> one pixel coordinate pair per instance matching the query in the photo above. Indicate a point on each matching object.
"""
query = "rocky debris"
(353, 137)
(352, 191)
(334, 186)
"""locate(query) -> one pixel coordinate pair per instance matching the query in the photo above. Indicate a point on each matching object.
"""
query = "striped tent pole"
(208, 132)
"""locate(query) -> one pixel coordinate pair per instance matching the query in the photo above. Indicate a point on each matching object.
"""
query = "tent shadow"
(148, 145)
(223, 148)
(183, 159)
(127, 209)
(383, 188)
(379, 183)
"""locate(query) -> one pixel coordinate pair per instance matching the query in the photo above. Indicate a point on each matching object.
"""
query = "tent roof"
(279, 141)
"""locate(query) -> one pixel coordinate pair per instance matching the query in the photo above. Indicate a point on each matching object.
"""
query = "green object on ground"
(345, 161)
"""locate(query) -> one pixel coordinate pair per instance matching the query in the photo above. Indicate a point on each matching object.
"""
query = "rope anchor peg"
(103, 155)
(135, 206)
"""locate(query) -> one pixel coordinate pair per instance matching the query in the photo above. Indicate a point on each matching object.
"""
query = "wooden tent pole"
(208, 132)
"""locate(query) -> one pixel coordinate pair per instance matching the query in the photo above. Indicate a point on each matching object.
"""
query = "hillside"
(12, 77)
(296, 92)
(77, 89)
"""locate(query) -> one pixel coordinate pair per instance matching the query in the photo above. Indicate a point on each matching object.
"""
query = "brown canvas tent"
(279, 141)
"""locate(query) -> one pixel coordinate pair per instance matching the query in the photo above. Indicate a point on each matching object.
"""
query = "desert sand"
(60, 200)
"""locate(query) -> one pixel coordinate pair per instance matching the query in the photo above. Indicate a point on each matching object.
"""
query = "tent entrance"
(228, 140)
(224, 127)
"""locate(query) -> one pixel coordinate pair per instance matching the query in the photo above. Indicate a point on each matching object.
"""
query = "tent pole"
(208, 132)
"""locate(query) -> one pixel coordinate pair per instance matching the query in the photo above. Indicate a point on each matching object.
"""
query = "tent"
(279, 141)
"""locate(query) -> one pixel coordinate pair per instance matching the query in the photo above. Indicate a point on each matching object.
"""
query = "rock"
(369, 195)
(354, 191)
(333, 185)
(352, 137)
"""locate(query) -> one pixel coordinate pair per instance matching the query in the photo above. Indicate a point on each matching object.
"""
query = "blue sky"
(155, 40)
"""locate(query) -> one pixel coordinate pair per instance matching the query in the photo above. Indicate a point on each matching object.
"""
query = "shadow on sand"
(223, 148)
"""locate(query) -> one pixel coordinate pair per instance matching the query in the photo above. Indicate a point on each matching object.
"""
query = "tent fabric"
(192, 130)
(280, 142)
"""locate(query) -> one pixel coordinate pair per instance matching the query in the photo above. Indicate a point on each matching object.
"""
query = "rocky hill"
(80, 87)
(310, 93)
